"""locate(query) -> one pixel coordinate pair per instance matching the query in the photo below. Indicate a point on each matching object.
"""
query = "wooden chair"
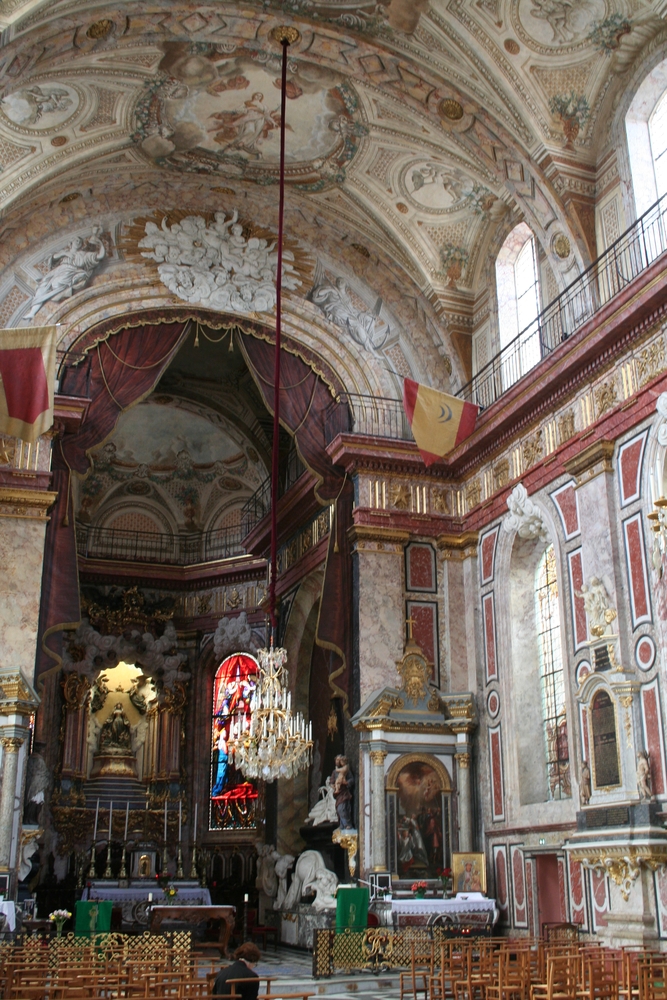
(263, 931)
(511, 978)
(421, 970)
(561, 982)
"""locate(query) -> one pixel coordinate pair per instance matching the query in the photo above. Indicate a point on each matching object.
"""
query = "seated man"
(246, 957)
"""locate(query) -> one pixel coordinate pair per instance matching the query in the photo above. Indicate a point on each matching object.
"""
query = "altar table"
(469, 908)
(134, 899)
(196, 915)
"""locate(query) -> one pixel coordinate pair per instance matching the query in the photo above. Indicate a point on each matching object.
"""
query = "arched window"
(233, 799)
(646, 131)
(551, 677)
(518, 291)
(657, 130)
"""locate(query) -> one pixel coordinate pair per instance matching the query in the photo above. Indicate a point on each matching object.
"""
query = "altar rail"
(380, 947)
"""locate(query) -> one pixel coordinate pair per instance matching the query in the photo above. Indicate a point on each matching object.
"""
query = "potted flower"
(445, 876)
(170, 892)
(59, 917)
(419, 889)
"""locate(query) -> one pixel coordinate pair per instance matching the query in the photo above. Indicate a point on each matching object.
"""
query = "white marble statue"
(70, 270)
(644, 777)
(324, 810)
(324, 883)
(266, 880)
(283, 865)
(307, 866)
(234, 635)
(332, 298)
(216, 265)
(597, 605)
(524, 517)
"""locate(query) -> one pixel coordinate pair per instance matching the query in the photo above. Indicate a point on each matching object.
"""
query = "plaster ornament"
(215, 265)
(596, 604)
(661, 409)
(324, 810)
(525, 517)
(234, 635)
(283, 865)
(70, 270)
(307, 866)
(333, 300)
(132, 646)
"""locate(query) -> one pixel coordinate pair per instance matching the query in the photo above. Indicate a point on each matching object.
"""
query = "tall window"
(551, 677)
(657, 128)
(646, 131)
(233, 800)
(518, 290)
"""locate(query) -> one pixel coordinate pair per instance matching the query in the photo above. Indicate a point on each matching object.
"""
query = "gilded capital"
(377, 757)
(462, 759)
(11, 744)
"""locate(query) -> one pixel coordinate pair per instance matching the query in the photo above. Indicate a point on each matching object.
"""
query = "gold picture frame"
(468, 872)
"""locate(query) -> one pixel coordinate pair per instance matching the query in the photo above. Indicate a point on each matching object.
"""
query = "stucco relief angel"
(556, 13)
(597, 605)
(333, 300)
(70, 270)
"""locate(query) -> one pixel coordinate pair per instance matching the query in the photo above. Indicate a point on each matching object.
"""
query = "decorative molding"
(11, 744)
(591, 462)
(463, 546)
(29, 504)
(525, 517)
(17, 696)
(463, 759)
(623, 863)
(377, 757)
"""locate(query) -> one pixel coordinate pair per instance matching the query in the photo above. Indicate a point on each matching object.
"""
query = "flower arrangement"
(445, 876)
(59, 917)
(170, 892)
(419, 888)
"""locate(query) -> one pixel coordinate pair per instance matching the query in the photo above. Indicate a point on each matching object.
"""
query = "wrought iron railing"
(376, 416)
(624, 260)
(259, 503)
(153, 546)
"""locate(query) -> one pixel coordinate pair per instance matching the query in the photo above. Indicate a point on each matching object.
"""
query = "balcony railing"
(375, 416)
(155, 547)
(259, 503)
(624, 260)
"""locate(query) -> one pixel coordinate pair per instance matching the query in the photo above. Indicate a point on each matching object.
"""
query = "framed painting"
(468, 872)
(419, 814)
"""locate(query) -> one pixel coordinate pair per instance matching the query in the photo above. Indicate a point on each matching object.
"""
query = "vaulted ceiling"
(417, 130)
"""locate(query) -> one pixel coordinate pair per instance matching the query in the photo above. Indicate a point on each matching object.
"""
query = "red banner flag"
(27, 376)
(439, 421)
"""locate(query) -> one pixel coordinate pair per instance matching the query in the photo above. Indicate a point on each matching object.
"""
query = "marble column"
(9, 797)
(378, 818)
(465, 800)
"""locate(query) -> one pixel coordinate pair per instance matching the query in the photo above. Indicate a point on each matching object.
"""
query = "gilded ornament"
(440, 501)
(605, 397)
(463, 760)
(377, 757)
(415, 671)
(332, 723)
(434, 704)
(400, 496)
(501, 474)
(11, 744)
(72, 196)
(100, 29)
(566, 428)
(451, 110)
(532, 450)
(349, 841)
(59, 140)
(75, 690)
(511, 46)
(473, 493)
(285, 33)
(402, 207)
(650, 362)
(561, 246)
(7, 451)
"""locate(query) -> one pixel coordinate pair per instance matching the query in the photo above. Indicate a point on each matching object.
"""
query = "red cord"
(275, 454)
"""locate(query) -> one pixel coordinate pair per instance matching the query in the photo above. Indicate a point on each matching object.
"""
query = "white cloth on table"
(130, 897)
(8, 909)
(470, 903)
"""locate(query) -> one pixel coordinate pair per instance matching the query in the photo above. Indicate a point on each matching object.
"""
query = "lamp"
(276, 743)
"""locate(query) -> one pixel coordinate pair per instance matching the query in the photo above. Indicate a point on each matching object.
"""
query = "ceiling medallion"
(561, 246)
(511, 46)
(100, 29)
(451, 110)
(59, 140)
(285, 33)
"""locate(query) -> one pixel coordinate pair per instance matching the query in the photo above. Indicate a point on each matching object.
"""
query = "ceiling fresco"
(417, 134)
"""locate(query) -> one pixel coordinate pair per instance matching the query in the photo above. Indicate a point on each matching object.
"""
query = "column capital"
(462, 759)
(11, 744)
(377, 757)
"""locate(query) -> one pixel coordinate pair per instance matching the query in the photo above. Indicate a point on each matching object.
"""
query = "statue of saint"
(585, 783)
(644, 777)
(116, 737)
(342, 780)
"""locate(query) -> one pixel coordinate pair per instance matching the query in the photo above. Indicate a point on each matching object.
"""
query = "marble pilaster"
(11, 748)
(377, 757)
(465, 800)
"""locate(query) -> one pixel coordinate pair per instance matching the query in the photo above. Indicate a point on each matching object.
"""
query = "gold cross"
(410, 622)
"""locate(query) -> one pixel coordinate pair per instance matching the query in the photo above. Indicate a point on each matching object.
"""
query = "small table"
(195, 915)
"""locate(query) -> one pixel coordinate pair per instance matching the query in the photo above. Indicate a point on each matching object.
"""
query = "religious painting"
(40, 106)
(441, 189)
(233, 800)
(219, 113)
(421, 833)
(548, 24)
(468, 872)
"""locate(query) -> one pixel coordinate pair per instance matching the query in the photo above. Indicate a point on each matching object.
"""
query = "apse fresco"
(419, 827)
(233, 800)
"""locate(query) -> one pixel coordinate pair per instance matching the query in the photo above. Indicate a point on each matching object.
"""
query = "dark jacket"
(237, 970)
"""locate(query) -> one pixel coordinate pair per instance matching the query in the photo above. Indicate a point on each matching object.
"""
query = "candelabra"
(107, 870)
(93, 859)
(123, 871)
(194, 874)
(179, 863)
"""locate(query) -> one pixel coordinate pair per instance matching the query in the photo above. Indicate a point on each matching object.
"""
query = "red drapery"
(305, 398)
(124, 368)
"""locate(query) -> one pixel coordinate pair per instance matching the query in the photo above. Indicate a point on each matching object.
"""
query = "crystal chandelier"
(276, 743)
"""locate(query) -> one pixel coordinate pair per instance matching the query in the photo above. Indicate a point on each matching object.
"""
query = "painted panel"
(424, 616)
(519, 887)
(489, 615)
(502, 883)
(635, 554)
(496, 768)
(487, 548)
(578, 914)
(567, 505)
(579, 622)
(630, 458)
(420, 573)
(653, 735)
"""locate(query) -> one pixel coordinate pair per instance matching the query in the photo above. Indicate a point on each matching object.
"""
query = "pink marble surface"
(21, 557)
(381, 619)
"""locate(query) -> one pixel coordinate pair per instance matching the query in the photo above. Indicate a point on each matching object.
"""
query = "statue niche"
(114, 755)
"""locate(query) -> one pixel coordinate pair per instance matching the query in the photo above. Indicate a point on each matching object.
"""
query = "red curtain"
(307, 406)
(124, 368)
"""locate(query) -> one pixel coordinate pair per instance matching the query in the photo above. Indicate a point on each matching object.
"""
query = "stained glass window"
(233, 799)
(552, 678)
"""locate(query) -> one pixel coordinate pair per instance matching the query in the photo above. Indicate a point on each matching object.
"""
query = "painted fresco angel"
(333, 299)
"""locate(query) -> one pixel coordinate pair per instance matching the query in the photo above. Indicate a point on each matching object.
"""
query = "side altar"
(140, 895)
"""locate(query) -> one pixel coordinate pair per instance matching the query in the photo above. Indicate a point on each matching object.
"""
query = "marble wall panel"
(381, 616)
(660, 882)
(496, 769)
(630, 457)
(519, 888)
(654, 735)
(502, 882)
(454, 626)
(565, 499)
(578, 913)
(635, 554)
(598, 531)
(575, 564)
(489, 621)
(600, 899)
(21, 557)
(487, 550)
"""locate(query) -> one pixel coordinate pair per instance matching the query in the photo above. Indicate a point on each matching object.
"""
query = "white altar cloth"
(463, 903)
(8, 909)
(134, 900)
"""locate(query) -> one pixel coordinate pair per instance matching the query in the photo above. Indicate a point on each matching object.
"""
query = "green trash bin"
(92, 917)
(352, 908)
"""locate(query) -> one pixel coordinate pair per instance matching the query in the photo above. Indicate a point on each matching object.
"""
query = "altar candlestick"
(165, 821)
(97, 813)
(194, 832)
(110, 819)
(180, 818)
(127, 816)
(150, 897)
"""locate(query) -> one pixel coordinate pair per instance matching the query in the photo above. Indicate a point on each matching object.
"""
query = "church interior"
(260, 646)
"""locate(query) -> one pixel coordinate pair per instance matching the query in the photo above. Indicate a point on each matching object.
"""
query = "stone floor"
(294, 971)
